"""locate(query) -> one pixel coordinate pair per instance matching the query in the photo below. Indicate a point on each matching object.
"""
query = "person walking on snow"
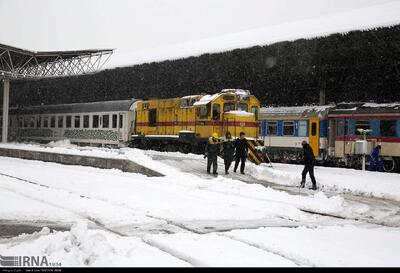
(212, 151)
(375, 159)
(228, 149)
(309, 162)
(241, 150)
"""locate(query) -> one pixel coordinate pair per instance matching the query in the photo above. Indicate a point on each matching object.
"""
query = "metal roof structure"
(16, 63)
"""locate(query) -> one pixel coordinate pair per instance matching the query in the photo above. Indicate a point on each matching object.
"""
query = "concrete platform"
(68, 159)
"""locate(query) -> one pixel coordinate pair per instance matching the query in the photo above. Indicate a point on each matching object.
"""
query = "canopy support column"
(6, 99)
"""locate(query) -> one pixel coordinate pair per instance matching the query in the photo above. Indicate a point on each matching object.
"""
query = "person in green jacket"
(228, 150)
(212, 152)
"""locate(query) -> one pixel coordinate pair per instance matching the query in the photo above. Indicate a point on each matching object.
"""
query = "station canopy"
(16, 63)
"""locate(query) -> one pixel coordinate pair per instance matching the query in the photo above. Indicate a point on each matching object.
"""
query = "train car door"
(314, 135)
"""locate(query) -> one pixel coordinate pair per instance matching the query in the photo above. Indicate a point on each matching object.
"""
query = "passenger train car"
(333, 132)
(97, 123)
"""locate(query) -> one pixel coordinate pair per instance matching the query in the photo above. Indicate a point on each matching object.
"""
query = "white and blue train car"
(106, 123)
(284, 128)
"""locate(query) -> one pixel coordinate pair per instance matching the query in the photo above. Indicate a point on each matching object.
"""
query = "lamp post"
(365, 145)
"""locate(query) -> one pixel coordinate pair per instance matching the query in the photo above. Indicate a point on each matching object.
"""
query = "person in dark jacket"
(212, 152)
(241, 150)
(375, 159)
(309, 162)
(228, 149)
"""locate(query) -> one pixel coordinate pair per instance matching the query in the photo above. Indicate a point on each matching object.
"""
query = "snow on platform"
(341, 180)
(181, 219)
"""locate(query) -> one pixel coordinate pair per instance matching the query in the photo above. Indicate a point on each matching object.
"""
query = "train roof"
(101, 106)
(207, 98)
(295, 111)
(365, 108)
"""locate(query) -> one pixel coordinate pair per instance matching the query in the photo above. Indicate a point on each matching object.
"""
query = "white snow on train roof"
(395, 105)
(295, 109)
(207, 98)
(240, 113)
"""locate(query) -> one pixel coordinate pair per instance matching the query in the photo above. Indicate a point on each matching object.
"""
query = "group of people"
(238, 149)
(230, 149)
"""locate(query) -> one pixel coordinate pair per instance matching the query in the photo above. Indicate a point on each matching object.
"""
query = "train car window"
(243, 107)
(38, 121)
(60, 122)
(302, 128)
(216, 114)
(20, 122)
(388, 128)
(114, 121)
(68, 122)
(229, 106)
(32, 122)
(53, 122)
(342, 128)
(362, 124)
(95, 121)
(272, 128)
(121, 120)
(46, 122)
(152, 117)
(313, 128)
(106, 121)
(86, 121)
(26, 122)
(77, 122)
(288, 128)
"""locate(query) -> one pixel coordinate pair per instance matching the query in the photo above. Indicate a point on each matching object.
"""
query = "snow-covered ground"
(387, 14)
(186, 218)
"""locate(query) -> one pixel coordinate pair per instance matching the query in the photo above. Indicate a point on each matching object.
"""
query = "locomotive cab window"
(216, 113)
(254, 110)
(243, 107)
(203, 111)
(288, 128)
(388, 128)
(229, 106)
(362, 124)
(152, 117)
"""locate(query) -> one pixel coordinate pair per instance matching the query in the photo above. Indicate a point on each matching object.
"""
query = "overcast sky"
(132, 25)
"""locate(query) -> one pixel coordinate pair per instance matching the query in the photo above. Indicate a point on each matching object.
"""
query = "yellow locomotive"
(185, 124)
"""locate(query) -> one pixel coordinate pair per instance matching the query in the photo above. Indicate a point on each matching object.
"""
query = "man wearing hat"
(212, 151)
(309, 161)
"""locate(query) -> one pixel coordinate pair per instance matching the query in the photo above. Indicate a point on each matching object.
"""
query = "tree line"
(355, 66)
